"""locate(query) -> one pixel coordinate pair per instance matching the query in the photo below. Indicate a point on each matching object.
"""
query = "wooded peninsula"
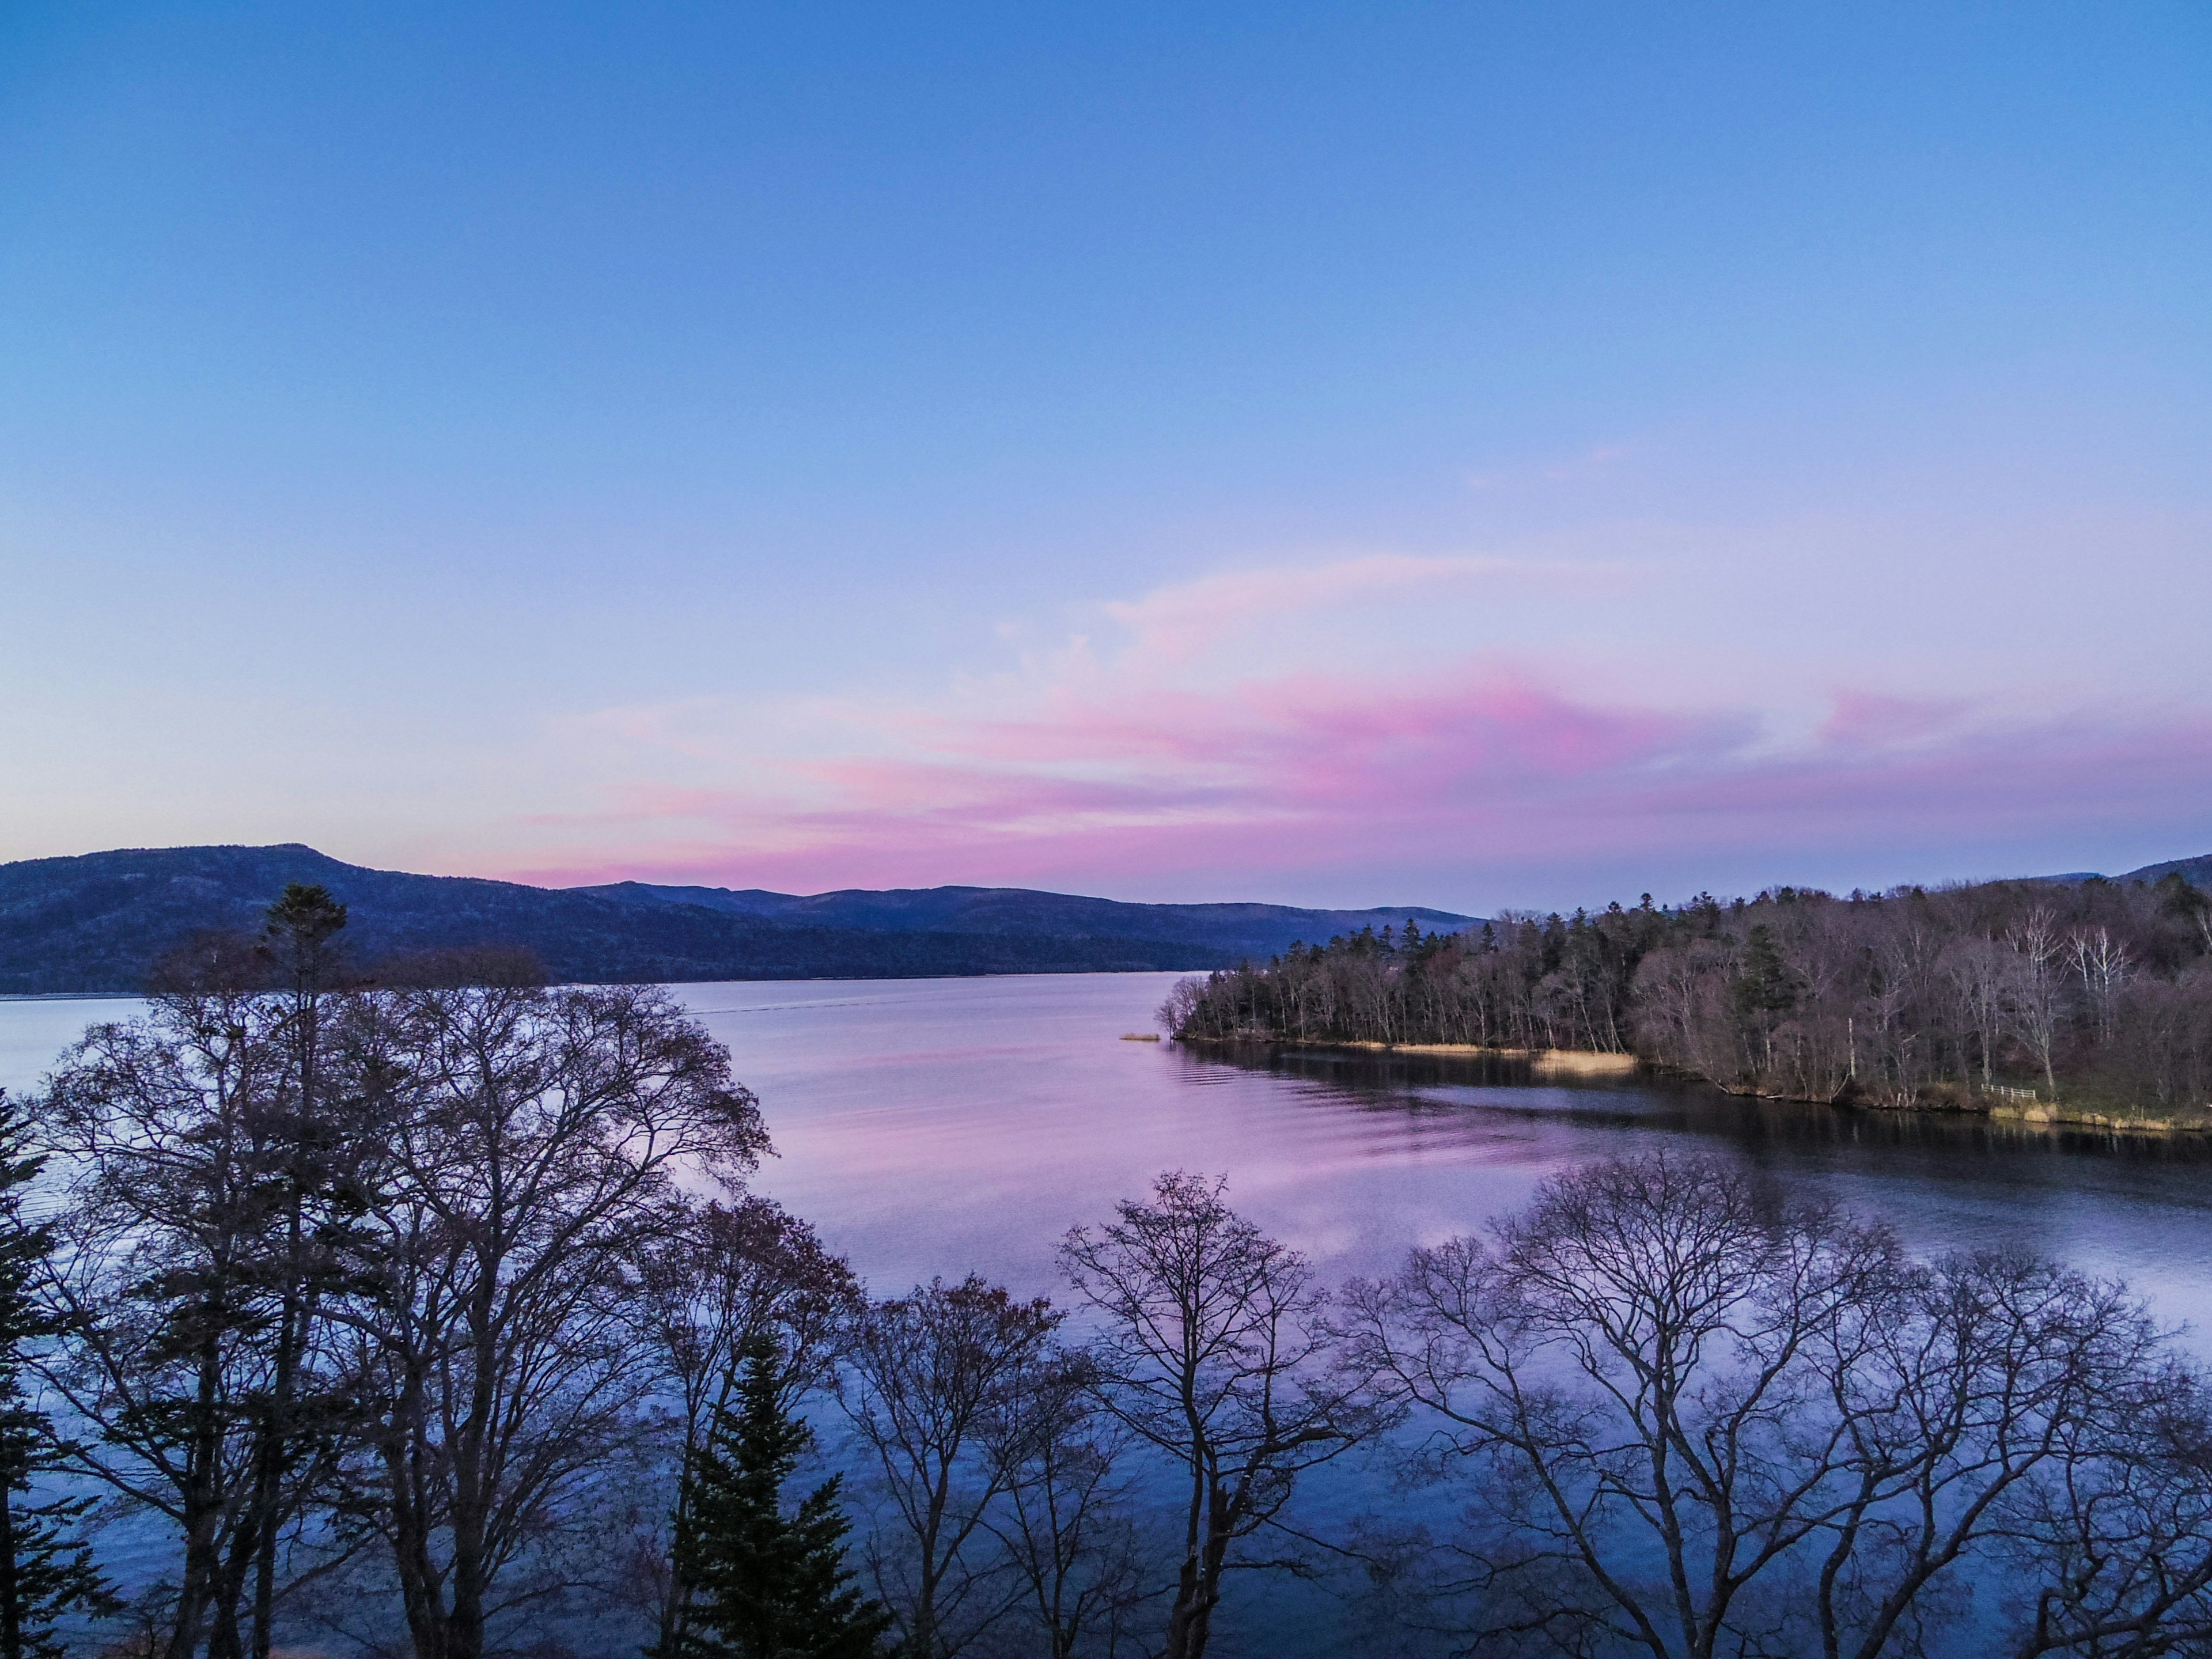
(2090, 1000)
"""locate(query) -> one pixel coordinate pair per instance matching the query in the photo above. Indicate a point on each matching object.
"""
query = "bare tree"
(2036, 1002)
(2102, 962)
(1063, 1522)
(2116, 1547)
(206, 1185)
(1709, 1421)
(1686, 1006)
(927, 1378)
(531, 1142)
(1214, 1351)
(1981, 973)
(1183, 998)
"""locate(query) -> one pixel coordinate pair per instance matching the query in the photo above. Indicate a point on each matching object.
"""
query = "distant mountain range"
(98, 922)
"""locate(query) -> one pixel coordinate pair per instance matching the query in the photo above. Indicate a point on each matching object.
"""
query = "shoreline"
(1589, 1062)
(2037, 1115)
(2046, 1116)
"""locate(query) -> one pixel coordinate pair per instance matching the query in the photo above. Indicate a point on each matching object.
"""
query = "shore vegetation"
(2095, 996)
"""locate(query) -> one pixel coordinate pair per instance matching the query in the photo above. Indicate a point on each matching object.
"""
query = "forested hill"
(2092, 992)
(99, 921)
(2197, 872)
(1244, 929)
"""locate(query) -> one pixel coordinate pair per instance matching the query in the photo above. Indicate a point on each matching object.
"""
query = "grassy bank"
(1580, 1062)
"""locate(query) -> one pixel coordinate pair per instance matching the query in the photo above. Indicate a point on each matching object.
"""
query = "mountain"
(2197, 872)
(1256, 929)
(98, 922)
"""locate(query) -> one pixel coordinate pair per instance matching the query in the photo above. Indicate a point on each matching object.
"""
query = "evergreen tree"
(766, 1584)
(1764, 990)
(46, 1571)
(1764, 986)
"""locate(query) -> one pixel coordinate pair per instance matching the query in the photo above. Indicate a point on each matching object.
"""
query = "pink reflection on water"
(940, 1126)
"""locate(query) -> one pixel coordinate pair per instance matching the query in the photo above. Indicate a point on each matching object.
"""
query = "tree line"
(435, 1319)
(2097, 992)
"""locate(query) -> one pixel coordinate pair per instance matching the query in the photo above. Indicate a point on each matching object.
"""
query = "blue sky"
(1473, 455)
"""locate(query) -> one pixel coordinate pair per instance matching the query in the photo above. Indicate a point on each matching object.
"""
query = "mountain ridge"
(2197, 872)
(995, 909)
(98, 921)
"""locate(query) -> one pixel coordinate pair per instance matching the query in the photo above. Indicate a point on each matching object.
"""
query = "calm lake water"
(940, 1126)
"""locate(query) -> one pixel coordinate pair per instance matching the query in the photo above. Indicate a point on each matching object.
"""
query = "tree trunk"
(11, 1605)
(269, 1462)
(200, 1506)
(1198, 1592)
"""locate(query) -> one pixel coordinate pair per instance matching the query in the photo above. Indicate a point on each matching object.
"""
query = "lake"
(940, 1126)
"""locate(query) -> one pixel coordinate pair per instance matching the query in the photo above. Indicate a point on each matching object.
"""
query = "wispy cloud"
(1193, 735)
(1175, 624)
(1486, 765)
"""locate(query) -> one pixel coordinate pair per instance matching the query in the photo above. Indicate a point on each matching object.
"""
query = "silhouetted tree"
(530, 1143)
(46, 1571)
(928, 1380)
(165, 1288)
(1213, 1351)
(1063, 1521)
(1705, 1419)
(723, 1279)
(766, 1584)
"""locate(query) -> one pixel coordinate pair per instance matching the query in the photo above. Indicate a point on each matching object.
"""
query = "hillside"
(97, 922)
(1003, 912)
(2197, 872)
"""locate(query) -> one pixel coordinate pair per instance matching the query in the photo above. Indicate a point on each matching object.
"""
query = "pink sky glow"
(1270, 778)
(1171, 454)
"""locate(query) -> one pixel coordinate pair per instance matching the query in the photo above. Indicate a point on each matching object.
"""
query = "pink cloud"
(1309, 772)
(1866, 718)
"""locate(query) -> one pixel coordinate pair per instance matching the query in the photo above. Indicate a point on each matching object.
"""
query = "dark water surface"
(940, 1126)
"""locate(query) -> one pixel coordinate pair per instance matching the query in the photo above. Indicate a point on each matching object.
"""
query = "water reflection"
(936, 1126)
(2137, 1206)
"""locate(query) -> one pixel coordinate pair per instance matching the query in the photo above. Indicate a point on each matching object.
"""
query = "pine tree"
(1764, 990)
(46, 1571)
(766, 1584)
(1764, 984)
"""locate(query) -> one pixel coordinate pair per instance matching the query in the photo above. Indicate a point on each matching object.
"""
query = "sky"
(1469, 455)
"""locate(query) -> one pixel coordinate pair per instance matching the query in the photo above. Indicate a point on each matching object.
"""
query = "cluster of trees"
(1709, 1419)
(2098, 991)
(434, 1320)
(339, 1281)
(431, 1316)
